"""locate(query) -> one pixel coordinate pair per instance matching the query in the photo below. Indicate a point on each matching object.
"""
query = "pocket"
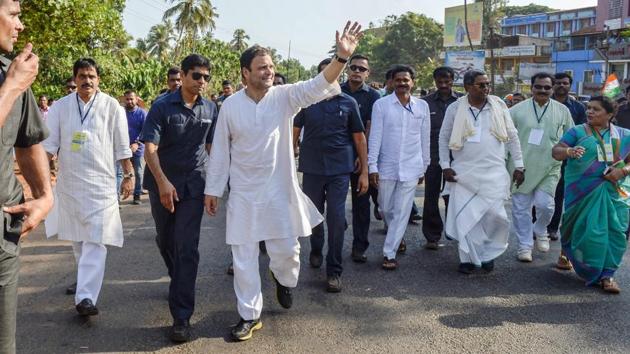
(12, 230)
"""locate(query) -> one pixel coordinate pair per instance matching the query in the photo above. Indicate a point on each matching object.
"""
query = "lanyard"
(91, 103)
(408, 107)
(602, 144)
(539, 118)
(475, 116)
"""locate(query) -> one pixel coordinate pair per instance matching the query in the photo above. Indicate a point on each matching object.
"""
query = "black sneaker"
(315, 260)
(86, 308)
(283, 294)
(136, 200)
(245, 329)
(359, 257)
(180, 331)
(333, 283)
(488, 266)
(72, 289)
(466, 268)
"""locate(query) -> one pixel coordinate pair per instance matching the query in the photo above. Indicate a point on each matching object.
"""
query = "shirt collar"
(435, 96)
(176, 97)
(394, 99)
(364, 87)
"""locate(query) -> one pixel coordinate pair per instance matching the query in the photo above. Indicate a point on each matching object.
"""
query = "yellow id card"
(78, 140)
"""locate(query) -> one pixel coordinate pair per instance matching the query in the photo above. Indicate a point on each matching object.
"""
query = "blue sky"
(309, 25)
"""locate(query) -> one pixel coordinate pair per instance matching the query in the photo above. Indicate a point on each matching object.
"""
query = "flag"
(611, 89)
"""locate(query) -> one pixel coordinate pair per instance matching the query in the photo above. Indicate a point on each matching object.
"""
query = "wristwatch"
(128, 175)
(340, 59)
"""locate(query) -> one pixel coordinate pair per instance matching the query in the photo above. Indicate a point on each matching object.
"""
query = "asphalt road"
(424, 306)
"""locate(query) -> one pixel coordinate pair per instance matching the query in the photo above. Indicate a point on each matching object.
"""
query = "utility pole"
(490, 43)
(289, 62)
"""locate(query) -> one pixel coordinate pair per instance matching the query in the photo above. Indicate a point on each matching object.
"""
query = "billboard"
(464, 61)
(527, 70)
(455, 26)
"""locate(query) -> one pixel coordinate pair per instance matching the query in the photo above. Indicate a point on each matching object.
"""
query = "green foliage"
(526, 10)
(293, 70)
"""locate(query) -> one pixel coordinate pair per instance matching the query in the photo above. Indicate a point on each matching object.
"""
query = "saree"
(596, 211)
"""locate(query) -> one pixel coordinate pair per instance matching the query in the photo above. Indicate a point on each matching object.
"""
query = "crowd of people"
(562, 165)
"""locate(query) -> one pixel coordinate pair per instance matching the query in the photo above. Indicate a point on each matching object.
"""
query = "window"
(566, 27)
(585, 22)
(569, 72)
(588, 76)
(521, 29)
(578, 43)
(617, 68)
(615, 9)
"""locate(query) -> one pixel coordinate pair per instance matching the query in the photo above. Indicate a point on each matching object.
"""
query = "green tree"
(159, 40)
(526, 10)
(293, 70)
(239, 40)
(192, 19)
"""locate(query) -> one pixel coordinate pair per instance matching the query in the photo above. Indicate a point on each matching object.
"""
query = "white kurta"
(86, 203)
(252, 147)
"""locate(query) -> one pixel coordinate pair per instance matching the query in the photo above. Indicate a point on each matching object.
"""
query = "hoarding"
(455, 25)
(464, 61)
(527, 70)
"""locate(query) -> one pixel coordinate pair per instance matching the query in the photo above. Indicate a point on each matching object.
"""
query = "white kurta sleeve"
(121, 134)
(426, 138)
(218, 165)
(53, 142)
(445, 136)
(513, 143)
(306, 93)
(376, 136)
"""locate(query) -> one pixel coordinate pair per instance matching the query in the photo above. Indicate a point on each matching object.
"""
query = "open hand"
(347, 42)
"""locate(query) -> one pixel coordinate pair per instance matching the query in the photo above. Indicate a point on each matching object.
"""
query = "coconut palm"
(160, 38)
(192, 17)
(239, 38)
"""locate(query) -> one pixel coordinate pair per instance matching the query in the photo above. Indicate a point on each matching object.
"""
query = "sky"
(309, 25)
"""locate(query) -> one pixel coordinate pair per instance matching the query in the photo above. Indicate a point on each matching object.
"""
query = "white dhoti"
(284, 255)
(522, 216)
(90, 258)
(394, 199)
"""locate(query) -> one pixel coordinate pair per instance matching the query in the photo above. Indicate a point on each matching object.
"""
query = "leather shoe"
(72, 289)
(230, 270)
(553, 236)
(283, 294)
(466, 268)
(377, 214)
(180, 331)
(359, 257)
(245, 329)
(333, 283)
(315, 260)
(488, 266)
(432, 245)
(86, 308)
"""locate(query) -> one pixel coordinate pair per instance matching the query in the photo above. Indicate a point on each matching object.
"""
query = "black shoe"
(315, 260)
(86, 308)
(72, 289)
(262, 247)
(416, 217)
(180, 331)
(359, 257)
(333, 283)
(402, 248)
(136, 200)
(432, 245)
(488, 266)
(245, 329)
(230, 270)
(283, 294)
(466, 268)
(377, 214)
(553, 236)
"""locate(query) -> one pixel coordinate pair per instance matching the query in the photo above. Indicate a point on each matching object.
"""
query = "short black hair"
(128, 92)
(322, 63)
(250, 53)
(284, 79)
(609, 105)
(444, 71)
(193, 61)
(388, 74)
(560, 76)
(226, 83)
(69, 80)
(543, 75)
(85, 63)
(401, 68)
(517, 94)
(471, 75)
(174, 70)
(358, 57)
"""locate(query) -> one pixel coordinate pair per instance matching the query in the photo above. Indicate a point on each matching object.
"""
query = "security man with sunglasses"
(177, 134)
(541, 122)
(356, 87)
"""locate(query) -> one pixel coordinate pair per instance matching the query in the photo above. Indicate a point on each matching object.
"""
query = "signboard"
(613, 24)
(527, 70)
(455, 26)
(524, 20)
(516, 51)
(464, 61)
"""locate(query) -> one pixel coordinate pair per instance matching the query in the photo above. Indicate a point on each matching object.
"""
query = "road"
(424, 306)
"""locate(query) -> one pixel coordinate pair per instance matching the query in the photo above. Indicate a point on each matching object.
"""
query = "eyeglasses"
(541, 87)
(196, 76)
(482, 85)
(359, 68)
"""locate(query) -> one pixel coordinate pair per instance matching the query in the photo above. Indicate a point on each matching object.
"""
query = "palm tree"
(192, 18)
(239, 38)
(159, 39)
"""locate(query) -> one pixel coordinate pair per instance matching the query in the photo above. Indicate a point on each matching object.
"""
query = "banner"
(464, 61)
(455, 26)
(527, 70)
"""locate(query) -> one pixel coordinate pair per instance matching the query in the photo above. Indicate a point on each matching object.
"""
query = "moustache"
(87, 85)
(402, 86)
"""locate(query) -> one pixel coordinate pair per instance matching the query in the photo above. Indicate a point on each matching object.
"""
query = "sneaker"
(554, 236)
(180, 331)
(542, 243)
(333, 283)
(245, 329)
(283, 294)
(525, 255)
(136, 200)
(466, 268)
(315, 260)
(564, 263)
(359, 257)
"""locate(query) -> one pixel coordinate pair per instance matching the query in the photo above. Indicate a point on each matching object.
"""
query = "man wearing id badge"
(540, 122)
(88, 133)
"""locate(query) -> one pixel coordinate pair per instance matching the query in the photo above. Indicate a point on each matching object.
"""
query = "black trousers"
(554, 224)
(329, 193)
(432, 225)
(178, 241)
(360, 216)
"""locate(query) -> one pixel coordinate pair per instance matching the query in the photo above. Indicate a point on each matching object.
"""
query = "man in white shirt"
(398, 155)
(252, 148)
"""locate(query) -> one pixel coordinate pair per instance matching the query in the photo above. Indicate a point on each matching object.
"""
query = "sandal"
(390, 264)
(402, 248)
(564, 263)
(610, 286)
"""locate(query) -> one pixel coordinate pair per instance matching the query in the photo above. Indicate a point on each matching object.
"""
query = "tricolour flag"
(611, 89)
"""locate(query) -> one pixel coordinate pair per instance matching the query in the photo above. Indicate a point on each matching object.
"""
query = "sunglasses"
(196, 76)
(483, 85)
(541, 87)
(358, 68)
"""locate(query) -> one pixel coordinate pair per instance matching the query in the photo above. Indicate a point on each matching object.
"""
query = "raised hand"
(348, 40)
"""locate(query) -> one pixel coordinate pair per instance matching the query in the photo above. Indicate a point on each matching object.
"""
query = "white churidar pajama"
(394, 198)
(522, 216)
(90, 258)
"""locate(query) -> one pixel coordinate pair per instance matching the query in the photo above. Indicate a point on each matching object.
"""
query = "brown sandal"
(610, 286)
(564, 263)
(390, 264)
